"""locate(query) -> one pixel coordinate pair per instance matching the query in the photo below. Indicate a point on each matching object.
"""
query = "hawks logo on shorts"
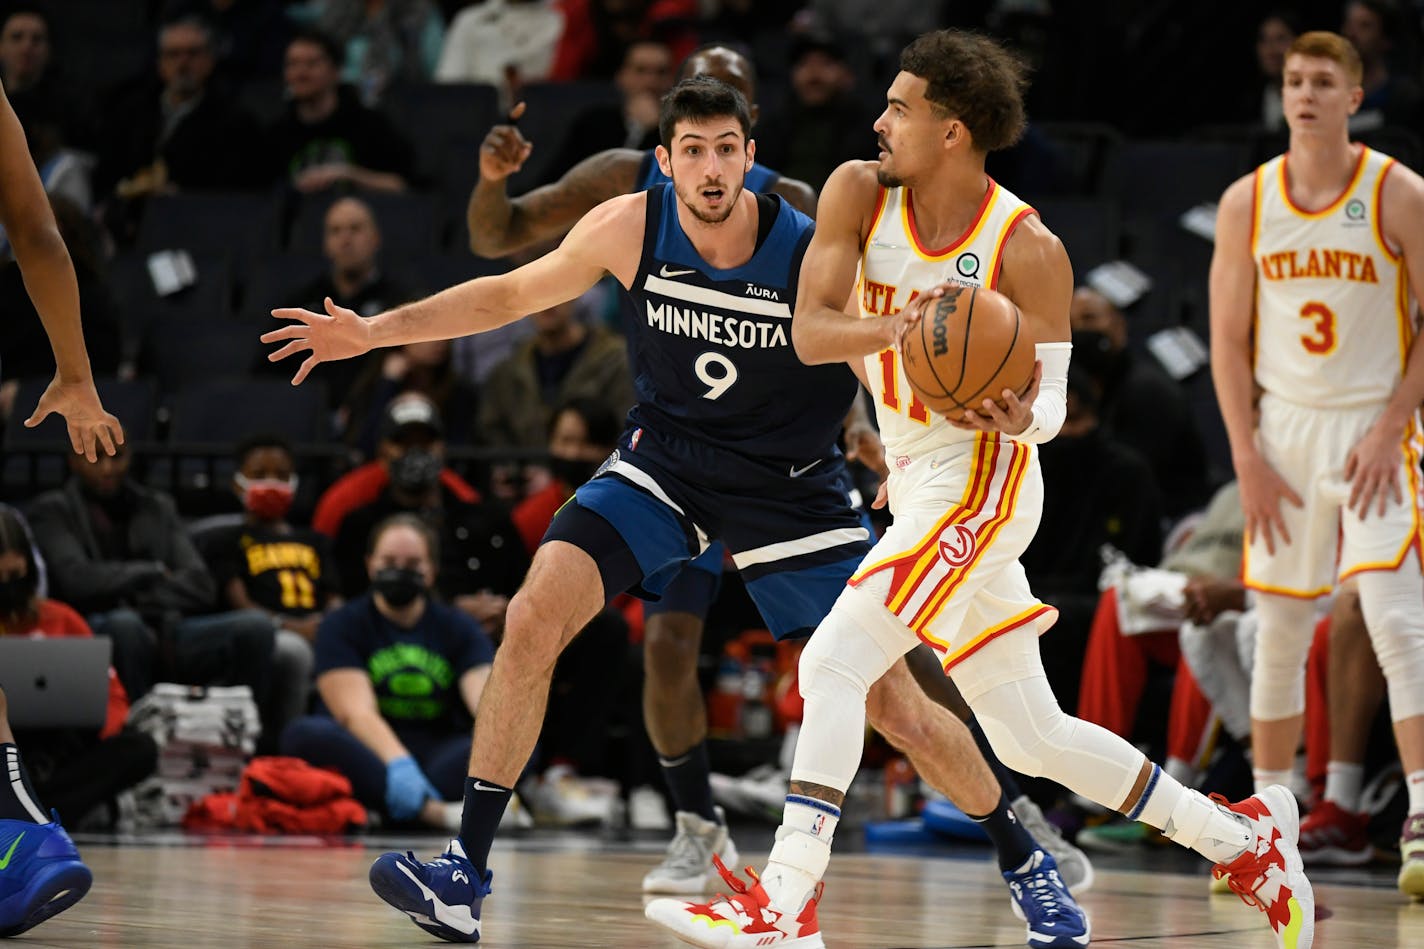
(956, 545)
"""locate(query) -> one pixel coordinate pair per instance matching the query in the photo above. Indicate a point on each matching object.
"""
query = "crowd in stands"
(211, 159)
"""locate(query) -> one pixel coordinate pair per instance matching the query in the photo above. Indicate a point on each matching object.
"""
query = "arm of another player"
(608, 239)
(798, 194)
(821, 330)
(49, 278)
(500, 226)
(1038, 277)
(1233, 291)
(1373, 464)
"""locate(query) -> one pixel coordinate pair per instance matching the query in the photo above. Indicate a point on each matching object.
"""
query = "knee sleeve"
(1032, 735)
(1391, 602)
(1285, 627)
(843, 659)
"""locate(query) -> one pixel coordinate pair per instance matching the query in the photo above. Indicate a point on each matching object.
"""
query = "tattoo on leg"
(819, 791)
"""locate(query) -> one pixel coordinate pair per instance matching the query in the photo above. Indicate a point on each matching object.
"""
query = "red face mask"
(267, 498)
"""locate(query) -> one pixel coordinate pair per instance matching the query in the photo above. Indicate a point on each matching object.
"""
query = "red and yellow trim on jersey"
(1002, 241)
(1378, 223)
(1284, 591)
(1032, 614)
(1401, 315)
(881, 199)
(944, 590)
(1415, 541)
(1257, 187)
(1333, 206)
(907, 217)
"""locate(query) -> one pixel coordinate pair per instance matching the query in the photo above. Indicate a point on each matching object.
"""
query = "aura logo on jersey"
(956, 545)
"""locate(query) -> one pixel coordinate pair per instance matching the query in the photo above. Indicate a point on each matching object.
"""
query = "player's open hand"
(1372, 469)
(338, 333)
(1262, 491)
(1012, 418)
(90, 427)
(504, 150)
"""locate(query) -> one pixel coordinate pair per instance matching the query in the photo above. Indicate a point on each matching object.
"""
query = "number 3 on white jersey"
(718, 381)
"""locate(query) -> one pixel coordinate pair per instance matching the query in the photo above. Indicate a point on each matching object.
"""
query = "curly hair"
(974, 79)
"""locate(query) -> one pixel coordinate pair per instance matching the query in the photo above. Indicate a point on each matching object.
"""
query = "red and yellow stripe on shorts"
(924, 578)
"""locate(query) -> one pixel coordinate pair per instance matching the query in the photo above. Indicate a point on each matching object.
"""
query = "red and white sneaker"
(1269, 874)
(744, 920)
(1333, 836)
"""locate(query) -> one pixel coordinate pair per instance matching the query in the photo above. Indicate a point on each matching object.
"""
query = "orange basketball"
(970, 345)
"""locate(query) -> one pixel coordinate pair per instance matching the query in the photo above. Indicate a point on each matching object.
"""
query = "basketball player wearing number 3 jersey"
(966, 500)
(1315, 256)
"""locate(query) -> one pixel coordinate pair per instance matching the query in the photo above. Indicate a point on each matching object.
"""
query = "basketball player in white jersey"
(967, 499)
(1315, 255)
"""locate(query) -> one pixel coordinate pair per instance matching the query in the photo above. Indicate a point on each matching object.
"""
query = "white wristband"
(1050, 408)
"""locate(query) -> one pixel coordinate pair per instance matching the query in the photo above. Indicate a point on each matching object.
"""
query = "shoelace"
(740, 897)
(1040, 886)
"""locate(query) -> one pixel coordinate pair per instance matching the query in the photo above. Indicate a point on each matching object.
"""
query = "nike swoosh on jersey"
(664, 272)
(5, 862)
(798, 472)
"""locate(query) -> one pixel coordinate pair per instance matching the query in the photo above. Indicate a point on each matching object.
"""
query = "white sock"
(1183, 771)
(1188, 818)
(1264, 778)
(1414, 780)
(801, 853)
(1342, 784)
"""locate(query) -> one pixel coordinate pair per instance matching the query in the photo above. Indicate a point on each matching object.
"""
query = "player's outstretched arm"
(1373, 464)
(49, 278)
(500, 226)
(607, 240)
(1232, 297)
(821, 330)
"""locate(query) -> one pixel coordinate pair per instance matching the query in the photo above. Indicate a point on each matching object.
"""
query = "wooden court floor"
(237, 892)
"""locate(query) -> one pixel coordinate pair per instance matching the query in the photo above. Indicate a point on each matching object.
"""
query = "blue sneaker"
(442, 897)
(1054, 920)
(40, 874)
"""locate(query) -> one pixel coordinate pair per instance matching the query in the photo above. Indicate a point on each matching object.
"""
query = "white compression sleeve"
(1051, 406)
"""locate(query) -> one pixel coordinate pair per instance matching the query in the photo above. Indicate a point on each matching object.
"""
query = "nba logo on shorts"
(956, 545)
(819, 825)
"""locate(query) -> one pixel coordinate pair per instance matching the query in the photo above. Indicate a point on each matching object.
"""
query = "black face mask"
(16, 594)
(399, 586)
(416, 471)
(572, 471)
(1093, 352)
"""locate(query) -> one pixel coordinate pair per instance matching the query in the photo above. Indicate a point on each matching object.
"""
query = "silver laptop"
(55, 683)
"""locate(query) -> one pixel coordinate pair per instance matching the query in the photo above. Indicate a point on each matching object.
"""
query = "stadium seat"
(227, 411)
(1164, 179)
(552, 107)
(1089, 228)
(179, 351)
(1083, 148)
(432, 113)
(274, 281)
(241, 225)
(210, 296)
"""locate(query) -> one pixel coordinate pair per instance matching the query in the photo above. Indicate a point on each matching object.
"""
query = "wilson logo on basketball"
(956, 545)
(941, 314)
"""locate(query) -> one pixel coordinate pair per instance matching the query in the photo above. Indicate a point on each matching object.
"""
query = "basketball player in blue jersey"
(673, 705)
(732, 439)
(41, 874)
(967, 498)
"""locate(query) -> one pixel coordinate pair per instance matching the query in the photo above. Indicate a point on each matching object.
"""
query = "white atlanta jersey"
(1332, 297)
(895, 268)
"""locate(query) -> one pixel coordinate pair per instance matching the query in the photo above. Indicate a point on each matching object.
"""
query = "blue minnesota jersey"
(711, 349)
(760, 179)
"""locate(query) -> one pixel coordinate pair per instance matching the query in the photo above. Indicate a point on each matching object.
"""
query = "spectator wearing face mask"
(263, 561)
(482, 561)
(399, 675)
(582, 433)
(1139, 404)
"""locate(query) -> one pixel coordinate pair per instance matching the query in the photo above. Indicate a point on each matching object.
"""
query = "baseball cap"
(407, 410)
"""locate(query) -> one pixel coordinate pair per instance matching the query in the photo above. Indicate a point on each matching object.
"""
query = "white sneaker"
(646, 810)
(563, 799)
(688, 869)
(1074, 867)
